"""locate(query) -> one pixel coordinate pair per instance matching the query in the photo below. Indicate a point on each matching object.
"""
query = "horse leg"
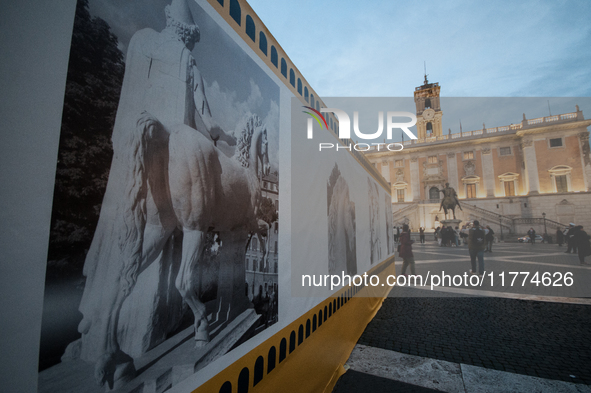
(114, 367)
(193, 243)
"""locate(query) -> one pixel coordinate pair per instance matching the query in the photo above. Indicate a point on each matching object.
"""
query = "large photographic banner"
(169, 258)
(163, 249)
(340, 212)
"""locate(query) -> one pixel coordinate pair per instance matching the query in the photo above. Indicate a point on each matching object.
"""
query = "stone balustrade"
(538, 122)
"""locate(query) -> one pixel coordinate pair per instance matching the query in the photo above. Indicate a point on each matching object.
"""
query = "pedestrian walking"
(405, 250)
(438, 235)
(490, 237)
(397, 235)
(532, 235)
(559, 237)
(422, 234)
(476, 246)
(571, 246)
(457, 236)
(581, 240)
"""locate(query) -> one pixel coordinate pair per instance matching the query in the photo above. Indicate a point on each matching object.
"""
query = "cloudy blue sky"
(377, 48)
(473, 48)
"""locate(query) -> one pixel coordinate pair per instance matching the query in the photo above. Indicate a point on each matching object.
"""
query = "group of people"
(479, 240)
(577, 241)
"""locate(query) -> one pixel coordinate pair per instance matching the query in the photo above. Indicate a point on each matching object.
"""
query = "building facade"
(261, 272)
(536, 173)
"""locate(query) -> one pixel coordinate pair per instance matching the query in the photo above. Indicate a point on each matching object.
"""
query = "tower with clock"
(428, 110)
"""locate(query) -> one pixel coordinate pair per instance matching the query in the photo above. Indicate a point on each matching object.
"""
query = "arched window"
(427, 103)
(299, 86)
(325, 314)
(561, 178)
(312, 100)
(434, 193)
(429, 128)
(274, 59)
(282, 349)
(283, 68)
(259, 370)
(307, 328)
(509, 182)
(263, 43)
(306, 94)
(292, 77)
(330, 309)
(235, 12)
(314, 322)
(250, 29)
(292, 341)
(243, 380)
(320, 318)
(471, 186)
(300, 334)
(254, 244)
(271, 359)
(226, 387)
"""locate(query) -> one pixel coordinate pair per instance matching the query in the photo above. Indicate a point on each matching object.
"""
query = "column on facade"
(452, 171)
(531, 166)
(414, 179)
(585, 158)
(386, 170)
(488, 172)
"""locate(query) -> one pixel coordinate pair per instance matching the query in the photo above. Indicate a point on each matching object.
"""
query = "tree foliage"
(267, 212)
(93, 86)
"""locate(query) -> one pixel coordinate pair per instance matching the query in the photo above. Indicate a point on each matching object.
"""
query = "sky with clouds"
(472, 48)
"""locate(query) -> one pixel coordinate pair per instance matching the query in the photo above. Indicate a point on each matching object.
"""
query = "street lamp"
(545, 232)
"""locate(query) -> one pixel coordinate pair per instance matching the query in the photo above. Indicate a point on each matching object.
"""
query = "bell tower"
(428, 110)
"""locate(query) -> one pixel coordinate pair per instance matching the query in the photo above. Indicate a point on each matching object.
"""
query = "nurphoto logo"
(344, 127)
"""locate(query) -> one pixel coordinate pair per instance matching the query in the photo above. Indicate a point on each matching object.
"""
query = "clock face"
(428, 114)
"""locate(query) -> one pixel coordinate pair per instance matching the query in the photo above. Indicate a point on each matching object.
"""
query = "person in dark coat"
(572, 247)
(581, 241)
(422, 234)
(559, 237)
(405, 252)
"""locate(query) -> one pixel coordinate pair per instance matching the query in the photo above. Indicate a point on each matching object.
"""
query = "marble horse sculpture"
(207, 191)
(167, 173)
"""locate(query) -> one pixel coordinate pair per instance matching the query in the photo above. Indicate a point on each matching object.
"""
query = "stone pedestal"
(454, 222)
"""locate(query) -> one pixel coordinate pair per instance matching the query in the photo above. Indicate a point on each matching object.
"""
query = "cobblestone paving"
(543, 339)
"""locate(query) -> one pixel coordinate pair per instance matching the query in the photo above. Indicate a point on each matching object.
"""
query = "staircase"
(399, 215)
(487, 215)
(512, 223)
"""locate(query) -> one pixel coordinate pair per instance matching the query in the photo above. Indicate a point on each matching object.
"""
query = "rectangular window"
(432, 159)
(509, 188)
(470, 190)
(400, 194)
(556, 142)
(468, 155)
(505, 151)
(398, 163)
(561, 183)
